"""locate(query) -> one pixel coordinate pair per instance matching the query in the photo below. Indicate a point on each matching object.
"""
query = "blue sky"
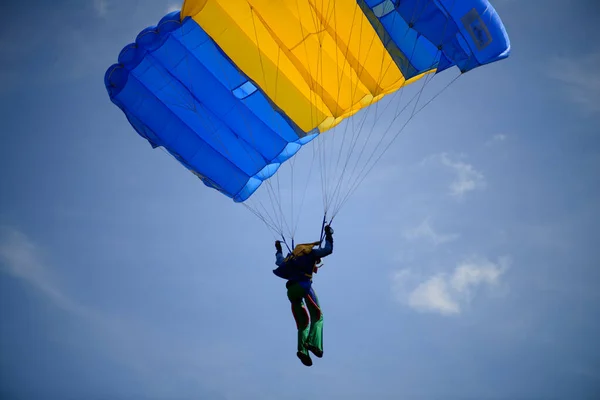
(465, 267)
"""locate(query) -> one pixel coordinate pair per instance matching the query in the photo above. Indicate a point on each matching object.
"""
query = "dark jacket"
(300, 268)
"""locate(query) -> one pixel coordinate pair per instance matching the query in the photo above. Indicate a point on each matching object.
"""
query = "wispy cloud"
(467, 177)
(498, 138)
(101, 7)
(447, 294)
(20, 257)
(173, 7)
(23, 259)
(140, 347)
(589, 371)
(580, 78)
(76, 47)
(426, 231)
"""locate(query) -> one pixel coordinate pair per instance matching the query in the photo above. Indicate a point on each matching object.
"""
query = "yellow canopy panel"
(317, 62)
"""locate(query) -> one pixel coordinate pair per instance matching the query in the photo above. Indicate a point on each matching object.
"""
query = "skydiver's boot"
(305, 358)
(314, 341)
(318, 353)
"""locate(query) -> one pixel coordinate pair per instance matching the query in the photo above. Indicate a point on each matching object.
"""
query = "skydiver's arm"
(282, 270)
(325, 250)
(278, 254)
(279, 259)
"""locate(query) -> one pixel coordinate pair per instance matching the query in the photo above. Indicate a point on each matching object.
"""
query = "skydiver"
(298, 268)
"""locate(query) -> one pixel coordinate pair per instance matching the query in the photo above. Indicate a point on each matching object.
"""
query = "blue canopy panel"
(425, 34)
(181, 92)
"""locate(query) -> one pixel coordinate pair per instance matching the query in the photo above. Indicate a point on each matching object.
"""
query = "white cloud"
(447, 294)
(580, 78)
(467, 178)
(426, 231)
(433, 295)
(472, 273)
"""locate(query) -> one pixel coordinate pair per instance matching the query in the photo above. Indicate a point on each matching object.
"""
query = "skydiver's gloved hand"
(329, 233)
(278, 246)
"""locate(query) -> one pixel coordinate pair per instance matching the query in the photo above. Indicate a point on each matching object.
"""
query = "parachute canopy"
(234, 88)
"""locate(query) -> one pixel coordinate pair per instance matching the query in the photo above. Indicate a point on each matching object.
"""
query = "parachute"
(233, 89)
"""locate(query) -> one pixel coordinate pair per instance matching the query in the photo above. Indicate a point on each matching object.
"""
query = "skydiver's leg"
(315, 337)
(296, 295)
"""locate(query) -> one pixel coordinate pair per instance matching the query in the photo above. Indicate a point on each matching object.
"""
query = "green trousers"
(310, 331)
